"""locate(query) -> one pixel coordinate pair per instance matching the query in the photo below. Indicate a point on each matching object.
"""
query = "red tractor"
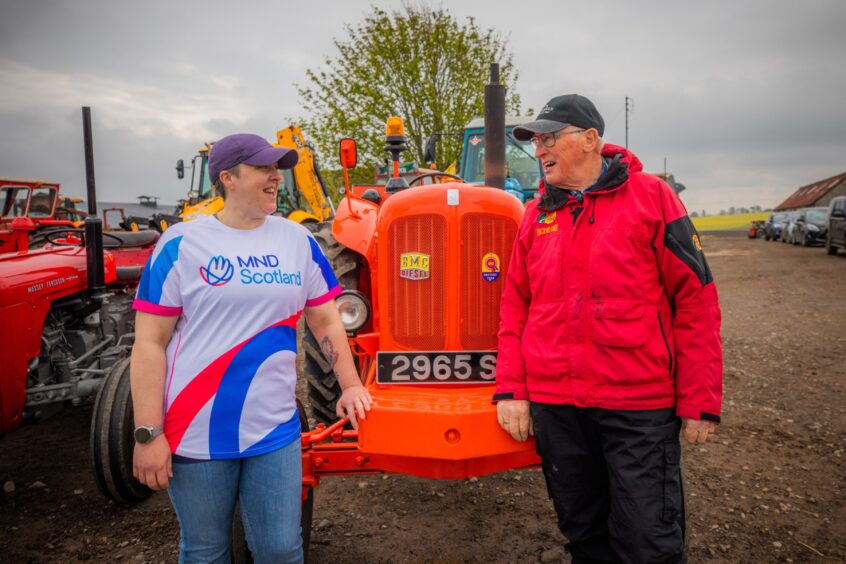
(66, 305)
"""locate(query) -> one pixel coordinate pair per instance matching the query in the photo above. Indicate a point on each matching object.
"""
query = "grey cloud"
(743, 98)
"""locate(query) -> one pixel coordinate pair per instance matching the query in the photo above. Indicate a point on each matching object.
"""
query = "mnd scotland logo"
(264, 269)
(218, 272)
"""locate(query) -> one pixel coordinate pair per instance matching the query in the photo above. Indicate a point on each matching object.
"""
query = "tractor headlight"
(354, 310)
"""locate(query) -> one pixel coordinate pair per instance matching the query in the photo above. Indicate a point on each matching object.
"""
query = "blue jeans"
(268, 489)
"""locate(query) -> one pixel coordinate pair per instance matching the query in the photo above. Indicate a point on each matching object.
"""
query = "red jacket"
(609, 301)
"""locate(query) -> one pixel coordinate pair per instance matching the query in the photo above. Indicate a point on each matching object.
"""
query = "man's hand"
(151, 463)
(696, 431)
(514, 418)
(354, 400)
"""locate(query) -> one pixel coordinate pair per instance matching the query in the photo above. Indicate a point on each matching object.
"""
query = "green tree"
(419, 63)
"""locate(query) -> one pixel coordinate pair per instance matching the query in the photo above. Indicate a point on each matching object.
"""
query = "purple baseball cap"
(249, 149)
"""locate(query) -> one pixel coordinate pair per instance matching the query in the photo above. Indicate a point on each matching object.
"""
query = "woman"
(213, 367)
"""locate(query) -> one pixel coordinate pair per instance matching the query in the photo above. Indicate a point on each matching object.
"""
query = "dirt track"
(768, 489)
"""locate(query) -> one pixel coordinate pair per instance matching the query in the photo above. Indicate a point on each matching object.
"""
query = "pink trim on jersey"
(203, 387)
(331, 294)
(155, 309)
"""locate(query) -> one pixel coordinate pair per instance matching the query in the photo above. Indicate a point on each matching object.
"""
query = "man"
(609, 340)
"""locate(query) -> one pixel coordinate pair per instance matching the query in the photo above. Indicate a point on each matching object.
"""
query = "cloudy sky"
(744, 99)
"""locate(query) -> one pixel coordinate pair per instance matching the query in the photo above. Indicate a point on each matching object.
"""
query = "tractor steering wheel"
(51, 235)
(433, 174)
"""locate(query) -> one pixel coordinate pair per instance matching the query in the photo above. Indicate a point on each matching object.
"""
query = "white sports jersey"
(231, 371)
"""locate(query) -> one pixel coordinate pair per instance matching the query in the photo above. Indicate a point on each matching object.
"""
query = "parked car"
(810, 227)
(786, 235)
(836, 236)
(775, 224)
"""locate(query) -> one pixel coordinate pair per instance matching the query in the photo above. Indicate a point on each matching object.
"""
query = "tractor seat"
(127, 274)
(131, 238)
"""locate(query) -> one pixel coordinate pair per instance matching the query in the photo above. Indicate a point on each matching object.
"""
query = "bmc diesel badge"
(414, 266)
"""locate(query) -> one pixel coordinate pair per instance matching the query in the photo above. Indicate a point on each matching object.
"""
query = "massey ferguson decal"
(414, 266)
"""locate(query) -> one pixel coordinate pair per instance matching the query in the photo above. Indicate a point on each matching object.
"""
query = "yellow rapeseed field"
(728, 222)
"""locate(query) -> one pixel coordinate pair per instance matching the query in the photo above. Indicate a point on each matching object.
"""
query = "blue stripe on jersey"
(155, 273)
(325, 268)
(280, 437)
(224, 425)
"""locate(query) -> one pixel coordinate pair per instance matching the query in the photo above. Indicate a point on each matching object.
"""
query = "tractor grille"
(482, 234)
(417, 312)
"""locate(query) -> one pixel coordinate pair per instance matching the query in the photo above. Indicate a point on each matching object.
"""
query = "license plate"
(437, 367)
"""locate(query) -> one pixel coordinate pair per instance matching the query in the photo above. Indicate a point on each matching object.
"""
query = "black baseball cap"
(250, 149)
(558, 113)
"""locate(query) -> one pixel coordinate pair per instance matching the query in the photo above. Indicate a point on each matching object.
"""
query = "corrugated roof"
(808, 195)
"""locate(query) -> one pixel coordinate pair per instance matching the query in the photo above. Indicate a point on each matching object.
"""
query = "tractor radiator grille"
(417, 312)
(482, 234)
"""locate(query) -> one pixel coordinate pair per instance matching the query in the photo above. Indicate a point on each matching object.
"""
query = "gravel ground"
(769, 488)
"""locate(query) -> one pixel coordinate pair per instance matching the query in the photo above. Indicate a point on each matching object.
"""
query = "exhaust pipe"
(495, 130)
(93, 225)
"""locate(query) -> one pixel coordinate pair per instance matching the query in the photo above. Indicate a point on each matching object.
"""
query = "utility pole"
(665, 166)
(629, 109)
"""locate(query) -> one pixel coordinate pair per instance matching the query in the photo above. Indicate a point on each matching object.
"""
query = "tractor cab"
(28, 210)
(27, 198)
(523, 171)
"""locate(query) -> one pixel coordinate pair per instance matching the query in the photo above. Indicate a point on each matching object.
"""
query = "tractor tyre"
(323, 387)
(239, 552)
(112, 440)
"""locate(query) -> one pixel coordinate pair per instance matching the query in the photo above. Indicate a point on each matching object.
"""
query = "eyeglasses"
(549, 139)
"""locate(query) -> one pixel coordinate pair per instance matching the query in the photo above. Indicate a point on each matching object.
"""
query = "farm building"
(816, 194)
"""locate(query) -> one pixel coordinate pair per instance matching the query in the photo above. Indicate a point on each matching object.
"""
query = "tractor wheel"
(323, 387)
(112, 440)
(240, 553)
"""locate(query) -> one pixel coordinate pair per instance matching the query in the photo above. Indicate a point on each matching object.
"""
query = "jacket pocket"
(544, 343)
(620, 322)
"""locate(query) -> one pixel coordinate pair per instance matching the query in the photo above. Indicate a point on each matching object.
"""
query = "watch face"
(143, 435)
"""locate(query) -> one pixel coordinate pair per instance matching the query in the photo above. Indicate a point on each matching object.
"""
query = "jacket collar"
(616, 172)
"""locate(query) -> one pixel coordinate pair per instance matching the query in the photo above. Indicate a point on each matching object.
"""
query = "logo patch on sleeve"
(696, 242)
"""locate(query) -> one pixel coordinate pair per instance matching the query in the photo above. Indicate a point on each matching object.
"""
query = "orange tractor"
(423, 268)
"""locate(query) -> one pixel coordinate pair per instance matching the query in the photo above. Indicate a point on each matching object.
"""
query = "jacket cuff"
(510, 395)
(694, 412)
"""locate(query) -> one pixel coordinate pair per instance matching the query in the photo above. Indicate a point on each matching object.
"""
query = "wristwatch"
(144, 435)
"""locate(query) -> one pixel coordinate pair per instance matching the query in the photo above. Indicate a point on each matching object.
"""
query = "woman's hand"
(151, 463)
(354, 402)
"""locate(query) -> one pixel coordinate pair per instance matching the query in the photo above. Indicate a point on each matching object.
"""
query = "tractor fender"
(355, 226)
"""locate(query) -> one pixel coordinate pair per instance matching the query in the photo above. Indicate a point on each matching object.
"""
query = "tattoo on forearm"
(329, 351)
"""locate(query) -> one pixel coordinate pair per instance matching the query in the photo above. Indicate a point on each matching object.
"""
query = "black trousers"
(615, 481)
